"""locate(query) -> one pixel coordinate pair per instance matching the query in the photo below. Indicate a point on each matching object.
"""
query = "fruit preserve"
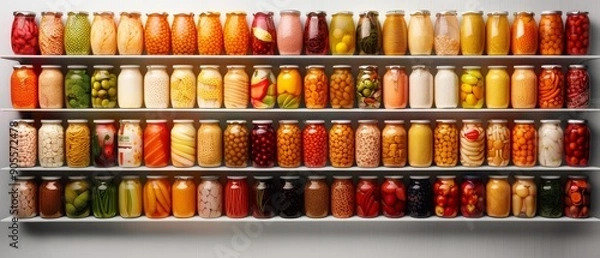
(342, 34)
(472, 197)
(420, 143)
(289, 33)
(395, 33)
(368, 197)
(289, 87)
(524, 143)
(498, 196)
(316, 88)
(263, 87)
(577, 143)
(209, 143)
(368, 87)
(577, 197)
(524, 197)
(472, 143)
(183, 34)
(210, 34)
(342, 197)
(393, 197)
(341, 144)
(263, 144)
(104, 144)
(551, 33)
(24, 34)
(236, 140)
(263, 196)
(367, 144)
(577, 33)
(394, 147)
(419, 194)
(264, 37)
(445, 140)
(578, 87)
(289, 144)
(524, 34)
(445, 196)
(316, 34)
(291, 200)
(157, 34)
(314, 140)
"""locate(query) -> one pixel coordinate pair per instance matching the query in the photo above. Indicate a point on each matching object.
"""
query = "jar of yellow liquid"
(472, 33)
(342, 34)
(420, 143)
(497, 81)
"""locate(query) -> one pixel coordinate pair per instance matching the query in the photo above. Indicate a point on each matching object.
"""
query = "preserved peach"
(394, 148)
(341, 92)
(315, 87)
(445, 139)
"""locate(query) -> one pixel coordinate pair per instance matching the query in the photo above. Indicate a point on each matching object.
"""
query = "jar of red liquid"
(577, 33)
(472, 197)
(316, 34)
(445, 192)
(367, 197)
(577, 143)
(314, 138)
(577, 197)
(24, 34)
(156, 144)
(264, 37)
(551, 87)
(264, 144)
(157, 34)
(393, 197)
(50, 194)
(183, 33)
(236, 197)
(578, 87)
(24, 87)
(289, 33)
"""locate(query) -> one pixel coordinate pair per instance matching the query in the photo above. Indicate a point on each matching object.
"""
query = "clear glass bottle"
(314, 141)
(368, 87)
(78, 197)
(27, 197)
(395, 33)
(420, 33)
(420, 143)
(210, 33)
(472, 33)
(289, 144)
(130, 145)
(77, 34)
(368, 198)
(236, 90)
(342, 197)
(51, 87)
(316, 33)
(236, 198)
(263, 87)
(289, 87)
(23, 87)
(577, 33)
(524, 197)
(342, 34)
(577, 87)
(184, 38)
(577, 197)
(316, 87)
(472, 200)
(497, 83)
(550, 197)
(552, 33)
(263, 194)
(184, 197)
(395, 87)
(209, 144)
(236, 144)
(524, 34)
(367, 144)
(341, 144)
(551, 89)
(291, 202)
(130, 197)
(445, 194)
(183, 87)
(104, 143)
(24, 33)
(341, 87)
(104, 197)
(368, 34)
(236, 34)
(156, 87)
(157, 34)
(77, 143)
(51, 34)
(446, 34)
(393, 196)
(577, 143)
(130, 34)
(157, 197)
(263, 39)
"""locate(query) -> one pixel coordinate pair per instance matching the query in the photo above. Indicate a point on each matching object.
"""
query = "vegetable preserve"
(210, 34)
(368, 34)
(130, 34)
(446, 34)
(104, 197)
(130, 197)
(472, 197)
(341, 144)
(342, 34)
(157, 197)
(236, 34)
(77, 143)
(264, 35)
(550, 197)
(577, 33)
(78, 197)
(51, 34)
(236, 90)
(236, 140)
(26, 146)
(210, 87)
(524, 197)
(316, 197)
(367, 144)
(183, 87)
(157, 34)
(24, 87)
(77, 34)
(551, 87)
(342, 197)
(51, 144)
(50, 197)
(209, 144)
(130, 143)
(263, 197)
(236, 197)
(289, 144)
(104, 87)
(291, 202)
(550, 144)
(104, 145)
(577, 88)
(314, 141)
(419, 194)
(156, 87)
(263, 144)
(445, 194)
(103, 34)
(210, 197)
(577, 143)
(551, 33)
(368, 87)
(316, 34)
(183, 143)
(393, 197)
(368, 197)
(27, 197)
(577, 197)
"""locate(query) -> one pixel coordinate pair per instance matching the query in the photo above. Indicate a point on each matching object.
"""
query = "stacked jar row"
(288, 146)
(289, 89)
(473, 36)
(293, 196)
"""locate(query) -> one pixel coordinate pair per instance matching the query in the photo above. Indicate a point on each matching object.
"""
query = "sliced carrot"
(576, 197)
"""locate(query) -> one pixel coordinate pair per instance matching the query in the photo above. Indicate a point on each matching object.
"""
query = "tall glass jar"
(24, 33)
(130, 34)
(184, 197)
(157, 146)
(393, 197)
(420, 87)
(236, 34)
(263, 144)
(103, 34)
(524, 34)
(183, 87)
(156, 87)
(184, 40)
(550, 197)
(472, 87)
(50, 197)
(289, 33)
(236, 140)
(316, 34)
(498, 196)
(104, 197)
(551, 33)
(395, 33)
(342, 197)
(236, 87)
(395, 87)
(524, 197)
(183, 143)
(263, 87)
(472, 143)
(341, 87)
(394, 147)
(420, 143)
(24, 87)
(367, 144)
(445, 194)
(314, 141)
(104, 87)
(210, 87)
(420, 33)
(368, 34)
(316, 197)
(51, 144)
(577, 143)
(551, 87)
(289, 144)
(210, 197)
(497, 31)
(446, 87)
(497, 83)
(130, 197)
(316, 88)
(446, 34)
(210, 34)
(419, 195)
(130, 92)
(157, 34)
(291, 202)
(472, 197)
(368, 87)
(289, 87)
(577, 33)
(51, 34)
(577, 88)
(77, 34)
(550, 144)
(77, 87)
(130, 143)
(26, 197)
(50, 87)
(368, 197)
(26, 145)
(263, 196)
(77, 143)
(264, 35)
(523, 87)
(341, 144)
(209, 144)
(577, 197)
(342, 38)
(445, 140)
(236, 197)
(498, 143)
(157, 197)
(472, 33)
(104, 143)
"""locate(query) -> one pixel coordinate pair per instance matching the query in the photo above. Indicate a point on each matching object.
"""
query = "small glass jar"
(184, 197)
(497, 31)
(498, 143)
(263, 87)
(395, 33)
(210, 87)
(446, 34)
(24, 33)
(419, 194)
(577, 197)
(78, 197)
(263, 197)
(104, 143)
(130, 145)
(316, 197)
(314, 141)
(26, 144)
(183, 87)
(77, 143)
(341, 144)
(236, 139)
(236, 197)
(420, 143)
(51, 146)
(316, 88)
(291, 202)
(316, 34)
(577, 143)
(103, 34)
(523, 87)
(264, 36)
(445, 140)
(51, 87)
(157, 197)
(420, 91)
(550, 197)
(524, 197)
(156, 87)
(50, 197)
(77, 34)
(263, 144)
(393, 197)
(395, 87)
(498, 196)
(289, 33)
(472, 143)
(24, 87)
(184, 40)
(157, 34)
(130, 92)
(472, 87)
(524, 34)
(130, 197)
(420, 33)
(368, 144)
(368, 34)
(394, 148)
(27, 197)
(209, 144)
(130, 34)
(236, 34)
(210, 33)
(550, 144)
(446, 87)
(577, 88)
(341, 87)
(289, 144)
(157, 148)
(104, 87)
(77, 87)
(183, 143)
(210, 197)
(472, 33)
(524, 143)
(368, 87)
(342, 197)
(104, 197)
(51, 34)
(342, 34)
(445, 194)
(472, 197)
(236, 87)
(577, 33)
(497, 83)
(551, 33)
(368, 197)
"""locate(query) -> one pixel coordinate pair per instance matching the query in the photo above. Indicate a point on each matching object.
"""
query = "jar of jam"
(498, 143)
(577, 33)
(289, 144)
(342, 34)
(263, 86)
(368, 34)
(342, 197)
(498, 196)
(77, 143)
(368, 87)
(104, 143)
(210, 197)
(316, 34)
(183, 87)
(341, 144)
(497, 32)
(236, 34)
(368, 144)
(577, 197)
(24, 33)
(26, 145)
(551, 33)
(184, 40)
(264, 144)
(130, 34)
(577, 143)
(77, 34)
(316, 197)
(523, 87)
(472, 33)
(236, 90)
(27, 197)
(445, 194)
(184, 197)
(419, 194)
(314, 141)
(420, 143)
(524, 197)
(367, 197)
(420, 88)
(183, 143)
(395, 87)
(236, 139)
(550, 197)
(130, 144)
(420, 33)
(446, 88)
(263, 197)
(50, 87)
(157, 34)
(316, 88)
(472, 197)
(446, 40)
(156, 87)
(341, 87)
(104, 87)
(209, 144)
(289, 33)
(103, 34)
(395, 33)
(104, 197)
(157, 197)
(51, 145)
(524, 34)
(50, 197)
(289, 87)
(578, 87)
(131, 197)
(51, 34)
(472, 87)
(550, 144)
(497, 83)
(210, 34)
(291, 202)
(264, 36)
(130, 87)
(24, 87)
(472, 143)
(551, 87)
(394, 148)
(157, 146)
(210, 87)
(445, 140)
(393, 197)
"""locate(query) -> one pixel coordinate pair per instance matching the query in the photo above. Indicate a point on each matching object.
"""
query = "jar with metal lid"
(472, 197)
(210, 87)
(289, 87)
(393, 197)
(51, 146)
(77, 87)
(104, 87)
(184, 197)
(420, 143)
(551, 33)
(77, 143)
(368, 33)
(130, 34)
(157, 34)
(184, 40)
(51, 34)
(316, 88)
(210, 197)
(316, 33)
(472, 87)
(445, 140)
(524, 143)
(103, 34)
(420, 87)
(342, 32)
(263, 87)
(341, 87)
(104, 143)
(472, 33)
(78, 197)
(577, 88)
(498, 143)
(263, 197)
(420, 33)
(157, 148)
(157, 197)
(395, 33)
(289, 33)
(291, 202)
(24, 140)
(497, 83)
(316, 197)
(550, 144)
(472, 143)
(263, 144)
(498, 196)
(524, 34)
(130, 92)
(446, 34)
(368, 197)
(446, 87)
(264, 35)
(236, 197)
(394, 148)
(50, 87)
(524, 197)
(341, 144)
(183, 143)
(395, 87)
(210, 33)
(236, 87)
(419, 197)
(368, 87)
(156, 87)
(236, 140)
(289, 144)
(104, 197)
(24, 87)
(130, 143)
(130, 197)
(342, 197)
(577, 197)
(550, 197)
(314, 141)
(209, 144)
(523, 87)
(183, 87)
(236, 34)
(77, 34)
(577, 33)
(50, 194)
(445, 194)
(368, 144)
(497, 32)
(577, 143)
(26, 197)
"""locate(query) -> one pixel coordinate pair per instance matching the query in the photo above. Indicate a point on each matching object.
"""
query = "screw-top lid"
(130, 177)
(420, 121)
(51, 178)
(524, 121)
(290, 177)
(446, 121)
(368, 121)
(262, 66)
(448, 12)
(314, 121)
(498, 177)
(393, 177)
(577, 177)
(209, 177)
(183, 66)
(130, 121)
(471, 121)
(342, 177)
(28, 121)
(51, 66)
(550, 121)
(208, 121)
(394, 122)
(104, 121)
(129, 66)
(25, 13)
(497, 121)
(394, 12)
(263, 177)
(236, 121)
(524, 177)
(341, 67)
(77, 177)
(156, 121)
(77, 121)
(446, 177)
(183, 121)
(419, 177)
(577, 66)
(445, 67)
(156, 177)
(184, 177)
(551, 66)
(472, 12)
(294, 12)
(316, 177)
(341, 121)
(420, 12)
(551, 12)
(367, 177)
(498, 13)
(209, 67)
(51, 121)
(550, 177)
(77, 67)
(570, 121)
(103, 67)
(523, 66)
(287, 122)
(471, 67)
(237, 177)
(24, 178)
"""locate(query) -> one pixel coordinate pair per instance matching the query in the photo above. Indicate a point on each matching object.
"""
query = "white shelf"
(302, 110)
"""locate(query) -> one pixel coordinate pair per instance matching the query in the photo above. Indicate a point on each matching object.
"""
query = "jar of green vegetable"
(104, 197)
(77, 87)
(104, 87)
(77, 34)
(550, 197)
(369, 34)
(77, 197)
(368, 87)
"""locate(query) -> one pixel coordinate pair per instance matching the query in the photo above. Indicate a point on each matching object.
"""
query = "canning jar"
(472, 197)
(157, 197)
(578, 87)
(316, 34)
(236, 87)
(420, 143)
(395, 87)
(550, 197)
(368, 197)
(209, 144)
(420, 87)
(497, 82)
(445, 194)
(26, 144)
(446, 87)
(236, 34)
(314, 141)
(157, 34)
(472, 87)
(77, 143)
(523, 87)
(472, 143)
(368, 34)
(104, 87)
(156, 87)
(497, 196)
(498, 143)
(472, 33)
(291, 200)
(236, 139)
(24, 33)
(420, 33)
(156, 144)
(316, 197)
(130, 34)
(263, 144)
(103, 34)
(23, 87)
(368, 87)
(497, 32)
(77, 34)
(50, 197)
(577, 197)
(551, 33)
(104, 197)
(393, 197)
(551, 87)
(342, 34)
(104, 144)
(184, 197)
(419, 197)
(524, 34)
(341, 87)
(183, 87)
(446, 34)
(263, 87)
(51, 34)
(50, 87)
(289, 87)
(130, 92)
(316, 88)
(236, 197)
(210, 197)
(210, 34)
(51, 144)
(342, 197)
(577, 143)
(183, 143)
(263, 197)
(184, 40)
(577, 33)
(289, 144)
(264, 36)
(445, 140)
(341, 144)
(550, 144)
(368, 144)
(77, 87)
(26, 197)
(210, 87)
(130, 197)
(524, 197)
(130, 143)
(395, 33)
(289, 33)
(393, 144)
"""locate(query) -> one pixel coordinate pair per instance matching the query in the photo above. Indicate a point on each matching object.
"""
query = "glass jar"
(183, 87)
(524, 197)
(472, 33)
(156, 87)
(183, 143)
(551, 87)
(291, 202)
(395, 87)
(26, 142)
(157, 197)
(130, 34)
(236, 139)
(236, 197)
(342, 197)
(104, 146)
(498, 143)
(264, 36)
(77, 34)
(316, 197)
(342, 38)
(26, 197)
(578, 87)
(577, 33)
(184, 197)
(24, 33)
(393, 144)
(209, 144)
(104, 197)
(210, 34)
(23, 87)
(263, 144)
(156, 144)
(368, 88)
(550, 197)
(51, 34)
(51, 144)
(103, 34)
(497, 82)
(472, 87)
(577, 197)
(497, 31)
(472, 143)
(77, 143)
(263, 87)
(551, 33)
(316, 88)
(314, 141)
(50, 87)
(524, 34)
(184, 40)
(77, 87)
(550, 144)
(420, 33)
(368, 34)
(393, 197)
(368, 144)
(236, 87)
(236, 34)
(289, 87)
(263, 197)
(130, 144)
(420, 143)
(130, 197)
(130, 92)
(420, 87)
(341, 87)
(472, 197)
(445, 194)
(104, 87)
(445, 140)
(419, 194)
(210, 87)
(577, 143)
(523, 87)
(77, 197)
(210, 197)
(341, 144)
(50, 197)
(498, 196)
(289, 33)
(289, 144)
(446, 87)
(395, 33)
(157, 34)
(368, 197)
(316, 34)
(446, 34)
